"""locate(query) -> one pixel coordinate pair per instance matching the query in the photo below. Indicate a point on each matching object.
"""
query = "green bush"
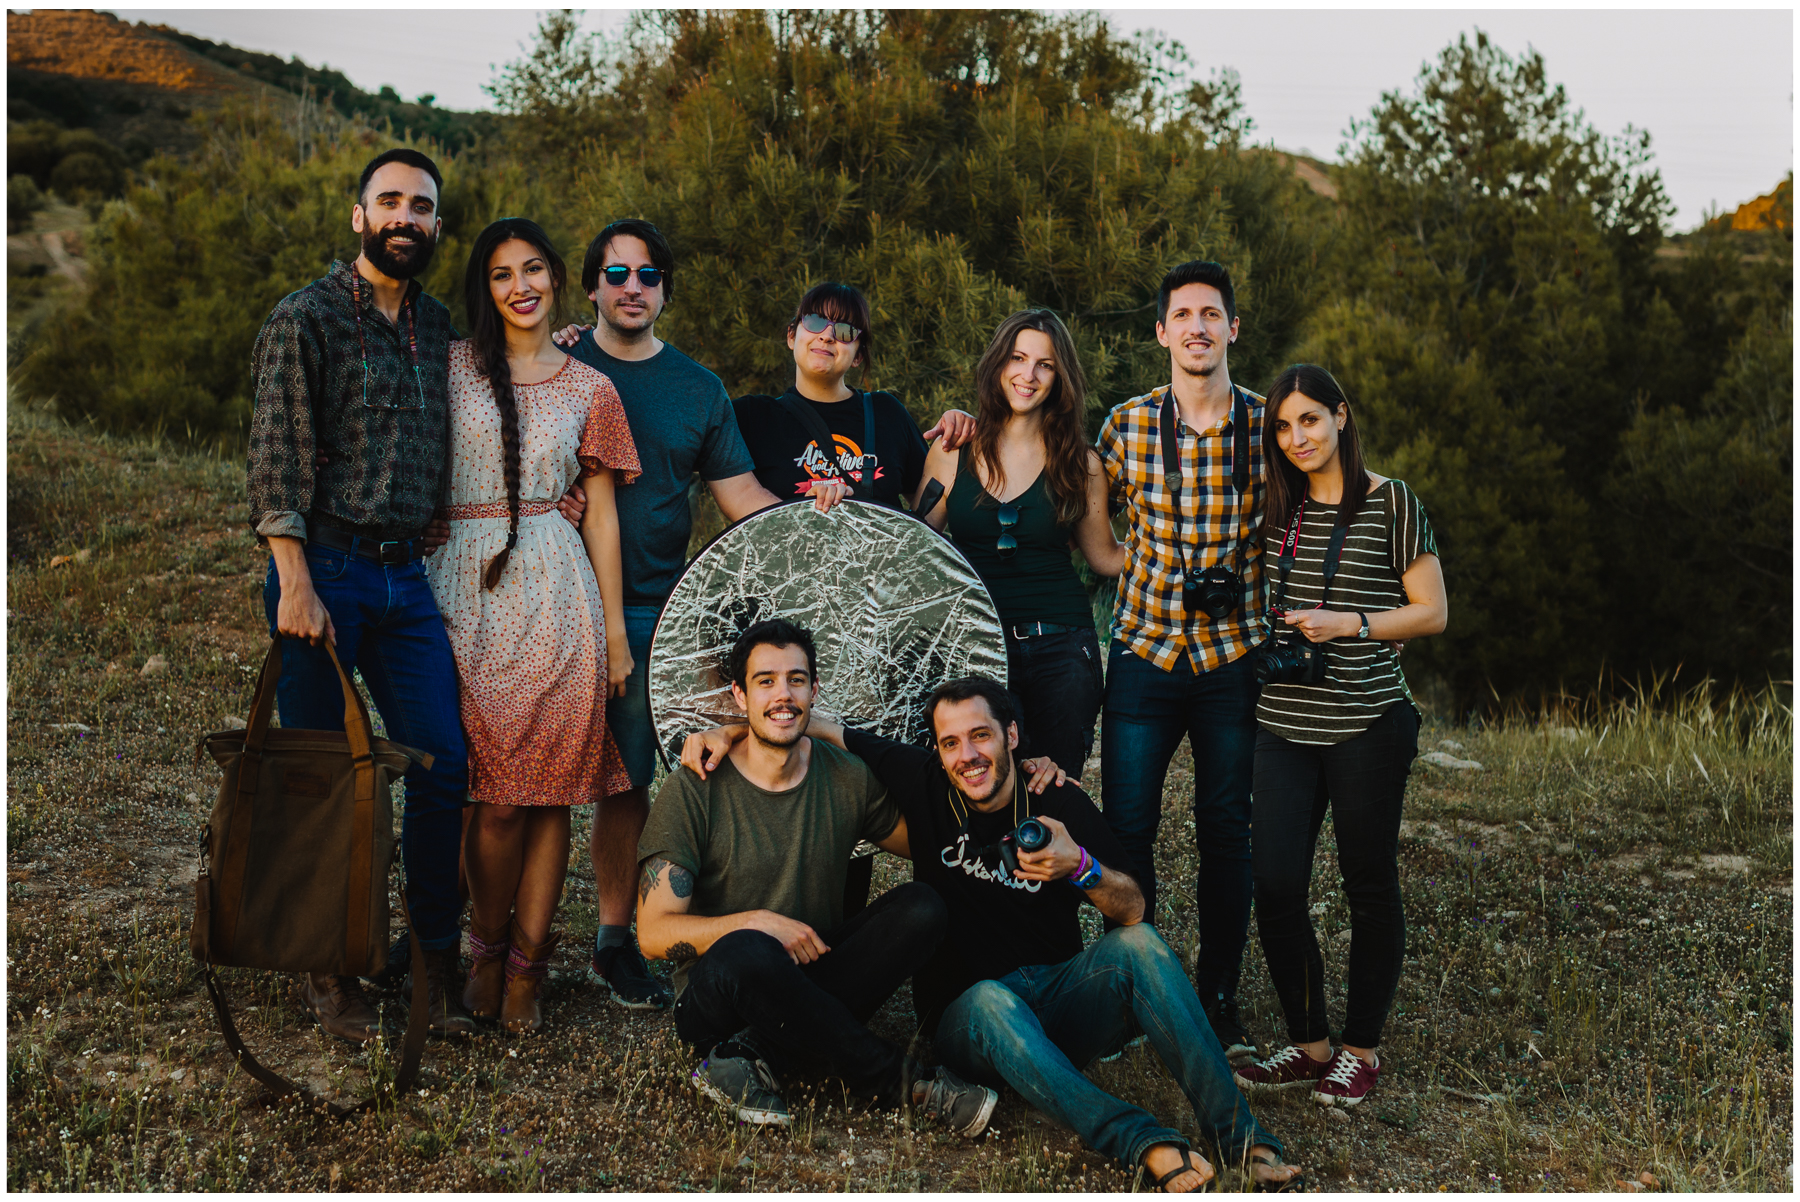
(23, 198)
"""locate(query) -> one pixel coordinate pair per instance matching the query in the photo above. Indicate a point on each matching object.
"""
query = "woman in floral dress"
(532, 607)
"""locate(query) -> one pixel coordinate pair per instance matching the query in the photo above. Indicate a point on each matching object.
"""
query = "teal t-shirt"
(682, 423)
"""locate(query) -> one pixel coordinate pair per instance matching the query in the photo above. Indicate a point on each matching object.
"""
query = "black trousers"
(810, 1017)
(1363, 782)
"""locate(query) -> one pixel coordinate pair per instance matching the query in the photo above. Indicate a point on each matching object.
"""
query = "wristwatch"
(1364, 632)
(1089, 878)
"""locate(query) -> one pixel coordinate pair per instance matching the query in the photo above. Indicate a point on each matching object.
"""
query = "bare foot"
(1163, 1159)
(1269, 1171)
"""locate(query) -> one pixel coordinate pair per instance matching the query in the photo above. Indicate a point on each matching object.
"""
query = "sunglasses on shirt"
(818, 323)
(616, 275)
(1009, 517)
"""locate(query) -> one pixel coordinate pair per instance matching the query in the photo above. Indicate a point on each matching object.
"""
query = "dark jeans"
(389, 628)
(1362, 781)
(809, 1018)
(1147, 712)
(1056, 678)
(1037, 1029)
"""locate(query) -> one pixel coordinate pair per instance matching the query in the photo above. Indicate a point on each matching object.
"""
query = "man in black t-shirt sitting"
(1021, 1001)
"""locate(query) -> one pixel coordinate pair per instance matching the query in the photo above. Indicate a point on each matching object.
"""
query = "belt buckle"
(382, 554)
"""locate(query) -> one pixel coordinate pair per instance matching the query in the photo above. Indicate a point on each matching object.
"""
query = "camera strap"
(801, 410)
(1290, 544)
(1171, 462)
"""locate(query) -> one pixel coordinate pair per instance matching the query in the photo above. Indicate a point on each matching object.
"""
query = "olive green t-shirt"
(750, 849)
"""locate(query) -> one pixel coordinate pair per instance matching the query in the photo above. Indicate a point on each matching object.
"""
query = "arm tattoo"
(681, 953)
(681, 881)
(647, 878)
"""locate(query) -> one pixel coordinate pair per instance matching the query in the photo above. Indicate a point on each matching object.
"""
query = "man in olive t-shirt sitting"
(741, 884)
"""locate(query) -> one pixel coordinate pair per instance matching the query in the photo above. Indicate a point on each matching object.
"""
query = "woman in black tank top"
(1026, 488)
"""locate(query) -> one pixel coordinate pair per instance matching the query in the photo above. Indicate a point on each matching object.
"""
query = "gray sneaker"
(959, 1106)
(746, 1087)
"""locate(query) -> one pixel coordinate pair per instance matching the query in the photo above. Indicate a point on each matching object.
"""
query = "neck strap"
(1290, 545)
(965, 814)
(1240, 462)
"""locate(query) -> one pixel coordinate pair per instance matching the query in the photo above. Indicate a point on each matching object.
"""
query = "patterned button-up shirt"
(383, 429)
(1214, 521)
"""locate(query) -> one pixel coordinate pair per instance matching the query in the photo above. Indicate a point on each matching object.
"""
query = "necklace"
(412, 342)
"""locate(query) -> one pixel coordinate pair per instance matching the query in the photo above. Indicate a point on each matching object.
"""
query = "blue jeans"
(628, 717)
(1056, 678)
(1147, 712)
(1037, 1029)
(389, 628)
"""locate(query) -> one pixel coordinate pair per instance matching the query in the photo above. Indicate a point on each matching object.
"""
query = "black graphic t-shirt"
(788, 457)
(996, 924)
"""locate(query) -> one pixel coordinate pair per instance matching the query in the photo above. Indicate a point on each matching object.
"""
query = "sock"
(607, 937)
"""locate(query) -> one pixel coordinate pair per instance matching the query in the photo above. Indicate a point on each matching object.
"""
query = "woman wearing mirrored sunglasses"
(813, 439)
(1026, 488)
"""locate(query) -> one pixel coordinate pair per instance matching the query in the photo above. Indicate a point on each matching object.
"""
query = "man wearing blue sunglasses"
(682, 423)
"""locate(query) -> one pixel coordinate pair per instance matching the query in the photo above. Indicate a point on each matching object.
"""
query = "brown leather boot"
(443, 998)
(487, 970)
(525, 969)
(340, 1006)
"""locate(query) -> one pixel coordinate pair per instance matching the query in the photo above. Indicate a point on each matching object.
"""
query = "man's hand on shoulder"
(706, 750)
(1041, 772)
(800, 941)
(570, 334)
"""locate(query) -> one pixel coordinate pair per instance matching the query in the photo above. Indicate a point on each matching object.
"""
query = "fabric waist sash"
(497, 509)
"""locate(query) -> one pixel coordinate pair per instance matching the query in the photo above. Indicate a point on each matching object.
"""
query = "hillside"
(134, 84)
(1599, 958)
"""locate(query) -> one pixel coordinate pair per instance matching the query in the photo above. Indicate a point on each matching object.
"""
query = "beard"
(398, 263)
(999, 778)
(773, 737)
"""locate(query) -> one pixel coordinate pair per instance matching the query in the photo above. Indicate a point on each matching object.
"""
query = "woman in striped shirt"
(1346, 743)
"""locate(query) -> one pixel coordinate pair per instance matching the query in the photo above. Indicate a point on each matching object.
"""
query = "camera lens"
(1032, 835)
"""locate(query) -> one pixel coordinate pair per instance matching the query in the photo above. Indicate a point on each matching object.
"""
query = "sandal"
(1274, 1161)
(1161, 1184)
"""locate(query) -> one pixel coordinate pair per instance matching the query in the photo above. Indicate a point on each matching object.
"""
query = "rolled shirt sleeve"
(286, 377)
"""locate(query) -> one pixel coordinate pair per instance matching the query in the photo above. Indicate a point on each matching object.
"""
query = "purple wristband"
(1081, 865)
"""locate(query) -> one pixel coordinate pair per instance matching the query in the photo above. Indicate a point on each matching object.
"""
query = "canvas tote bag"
(294, 859)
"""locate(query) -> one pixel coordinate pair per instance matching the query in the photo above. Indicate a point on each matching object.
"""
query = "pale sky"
(1714, 88)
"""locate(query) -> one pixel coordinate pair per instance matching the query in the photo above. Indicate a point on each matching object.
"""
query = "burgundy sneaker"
(1287, 1068)
(1348, 1080)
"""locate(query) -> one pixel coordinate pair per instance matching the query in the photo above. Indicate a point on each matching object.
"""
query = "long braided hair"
(487, 338)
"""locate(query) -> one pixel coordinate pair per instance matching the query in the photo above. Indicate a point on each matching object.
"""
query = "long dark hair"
(487, 338)
(1065, 437)
(1287, 483)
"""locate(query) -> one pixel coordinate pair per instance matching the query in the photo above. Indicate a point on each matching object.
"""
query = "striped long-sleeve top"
(1362, 676)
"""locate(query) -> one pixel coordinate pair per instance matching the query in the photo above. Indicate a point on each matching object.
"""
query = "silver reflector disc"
(894, 610)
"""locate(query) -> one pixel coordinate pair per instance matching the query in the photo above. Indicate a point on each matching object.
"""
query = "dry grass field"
(1597, 983)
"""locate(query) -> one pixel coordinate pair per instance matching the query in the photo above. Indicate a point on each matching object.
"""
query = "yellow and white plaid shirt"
(1150, 618)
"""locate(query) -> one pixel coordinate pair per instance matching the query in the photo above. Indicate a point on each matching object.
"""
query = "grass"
(1597, 982)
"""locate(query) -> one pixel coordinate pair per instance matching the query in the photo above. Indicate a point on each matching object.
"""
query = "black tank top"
(1038, 583)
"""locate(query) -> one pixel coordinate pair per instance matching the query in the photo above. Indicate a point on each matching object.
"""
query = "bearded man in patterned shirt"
(1185, 462)
(349, 444)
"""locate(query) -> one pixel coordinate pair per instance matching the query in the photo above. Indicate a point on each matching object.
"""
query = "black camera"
(1213, 592)
(1029, 835)
(1289, 659)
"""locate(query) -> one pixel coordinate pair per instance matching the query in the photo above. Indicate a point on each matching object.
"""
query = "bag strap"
(412, 1049)
(868, 448)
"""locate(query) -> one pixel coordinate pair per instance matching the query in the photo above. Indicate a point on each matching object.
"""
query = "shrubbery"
(1600, 435)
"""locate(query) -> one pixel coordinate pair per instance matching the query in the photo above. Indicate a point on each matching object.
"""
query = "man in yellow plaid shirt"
(1185, 461)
